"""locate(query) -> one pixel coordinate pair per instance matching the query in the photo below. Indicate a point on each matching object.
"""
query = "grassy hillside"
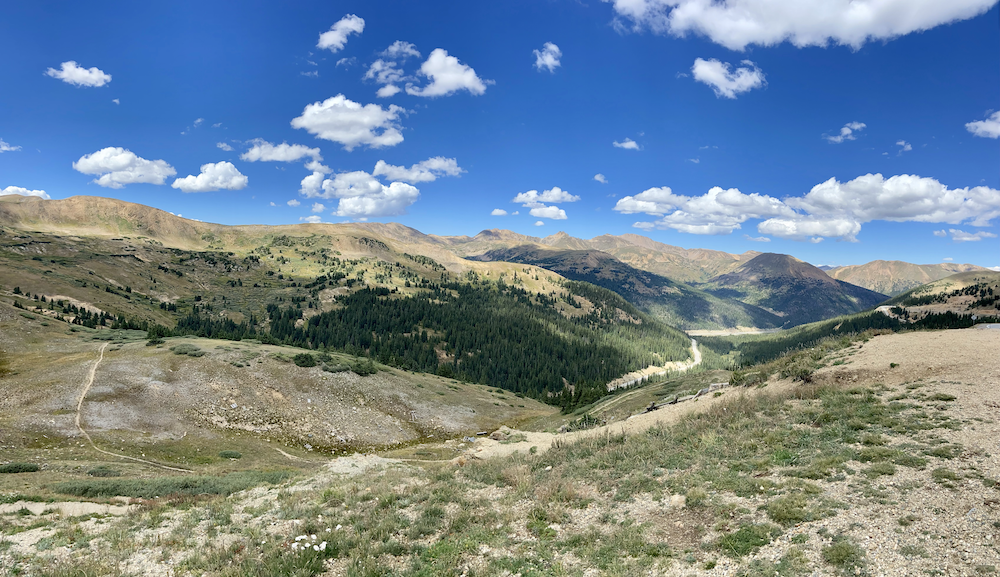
(673, 302)
(236, 282)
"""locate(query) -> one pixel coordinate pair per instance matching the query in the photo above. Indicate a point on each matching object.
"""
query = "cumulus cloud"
(725, 82)
(23, 192)
(214, 176)
(116, 101)
(989, 128)
(318, 207)
(4, 147)
(600, 178)
(425, 171)
(719, 211)
(293, 202)
(314, 219)
(539, 223)
(846, 132)
(118, 167)
(756, 238)
(940, 233)
(447, 76)
(498, 212)
(335, 38)
(388, 91)
(351, 124)
(361, 195)
(548, 57)
(627, 144)
(533, 199)
(265, 151)
(736, 24)
(70, 73)
(552, 212)
(832, 209)
(384, 72)
(401, 50)
(224, 146)
(962, 236)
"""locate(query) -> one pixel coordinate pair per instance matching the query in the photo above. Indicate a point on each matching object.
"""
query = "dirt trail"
(79, 425)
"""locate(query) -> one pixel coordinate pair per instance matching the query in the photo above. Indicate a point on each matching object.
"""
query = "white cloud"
(548, 57)
(317, 166)
(318, 207)
(941, 233)
(23, 192)
(694, 160)
(293, 202)
(118, 167)
(539, 223)
(401, 50)
(601, 178)
(725, 82)
(718, 211)
(217, 125)
(311, 73)
(264, 151)
(273, 203)
(336, 37)
(498, 212)
(360, 194)
(994, 268)
(962, 236)
(198, 121)
(345, 62)
(948, 259)
(831, 209)
(384, 72)
(388, 91)
(315, 219)
(425, 171)
(644, 225)
(214, 176)
(756, 238)
(627, 144)
(553, 212)
(736, 24)
(70, 73)
(116, 101)
(904, 147)
(535, 200)
(989, 128)
(351, 124)
(846, 132)
(224, 146)
(447, 76)
(4, 147)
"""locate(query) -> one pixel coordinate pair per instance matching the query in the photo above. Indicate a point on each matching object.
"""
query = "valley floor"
(885, 463)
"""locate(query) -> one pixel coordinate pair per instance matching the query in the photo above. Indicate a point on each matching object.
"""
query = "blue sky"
(834, 131)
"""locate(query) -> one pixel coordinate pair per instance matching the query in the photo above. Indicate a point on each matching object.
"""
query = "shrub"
(154, 342)
(186, 349)
(843, 553)
(104, 471)
(338, 369)
(231, 454)
(162, 486)
(747, 538)
(19, 468)
(304, 360)
(363, 368)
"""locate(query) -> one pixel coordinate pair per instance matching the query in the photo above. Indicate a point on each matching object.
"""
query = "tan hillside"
(893, 277)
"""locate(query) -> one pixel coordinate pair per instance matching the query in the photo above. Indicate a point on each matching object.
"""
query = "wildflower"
(322, 546)
(315, 547)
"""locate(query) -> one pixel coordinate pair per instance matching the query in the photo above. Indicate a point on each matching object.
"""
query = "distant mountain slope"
(675, 303)
(796, 290)
(893, 277)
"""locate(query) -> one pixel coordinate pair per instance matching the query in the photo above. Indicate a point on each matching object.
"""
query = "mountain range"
(687, 288)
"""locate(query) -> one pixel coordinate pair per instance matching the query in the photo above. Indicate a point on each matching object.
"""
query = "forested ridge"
(481, 331)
